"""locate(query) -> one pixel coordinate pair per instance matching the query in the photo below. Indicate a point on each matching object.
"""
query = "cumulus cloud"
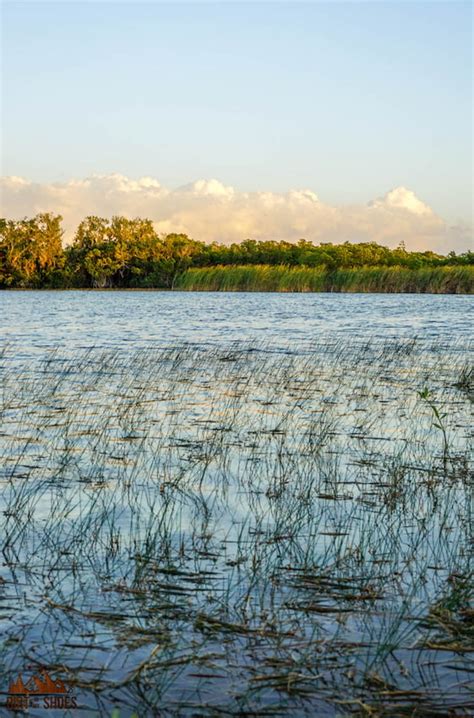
(211, 211)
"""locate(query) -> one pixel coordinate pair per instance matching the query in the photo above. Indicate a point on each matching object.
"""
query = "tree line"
(126, 253)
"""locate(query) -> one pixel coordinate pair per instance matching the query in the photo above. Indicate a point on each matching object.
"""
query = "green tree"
(31, 253)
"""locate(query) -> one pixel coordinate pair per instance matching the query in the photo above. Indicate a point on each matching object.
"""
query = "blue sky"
(348, 99)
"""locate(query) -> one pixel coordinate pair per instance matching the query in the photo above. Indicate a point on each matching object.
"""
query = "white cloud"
(211, 211)
(402, 198)
(208, 188)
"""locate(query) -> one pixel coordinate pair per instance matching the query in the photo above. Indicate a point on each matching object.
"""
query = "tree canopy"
(122, 252)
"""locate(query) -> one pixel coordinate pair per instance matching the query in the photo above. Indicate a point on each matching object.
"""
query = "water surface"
(76, 319)
(239, 504)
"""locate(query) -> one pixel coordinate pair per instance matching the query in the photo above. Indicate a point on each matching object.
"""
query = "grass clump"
(265, 278)
(243, 531)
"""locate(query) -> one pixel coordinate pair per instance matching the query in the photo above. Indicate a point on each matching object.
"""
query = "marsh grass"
(240, 531)
(266, 278)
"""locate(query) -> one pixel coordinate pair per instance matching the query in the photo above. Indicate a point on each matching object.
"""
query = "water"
(237, 503)
(35, 321)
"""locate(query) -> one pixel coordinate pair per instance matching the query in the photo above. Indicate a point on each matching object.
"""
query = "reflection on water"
(120, 319)
(238, 504)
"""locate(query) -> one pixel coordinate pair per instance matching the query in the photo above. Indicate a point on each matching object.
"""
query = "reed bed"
(265, 278)
(241, 531)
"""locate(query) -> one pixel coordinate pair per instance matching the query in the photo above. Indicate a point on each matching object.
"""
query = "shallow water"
(239, 502)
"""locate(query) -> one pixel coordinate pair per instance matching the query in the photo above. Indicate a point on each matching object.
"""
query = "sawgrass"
(266, 278)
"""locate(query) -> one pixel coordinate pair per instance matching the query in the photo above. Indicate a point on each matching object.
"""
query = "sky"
(232, 109)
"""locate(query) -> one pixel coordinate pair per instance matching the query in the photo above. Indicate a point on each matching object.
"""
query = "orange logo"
(54, 693)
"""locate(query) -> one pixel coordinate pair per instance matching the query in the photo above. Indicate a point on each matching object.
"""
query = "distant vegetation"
(265, 278)
(128, 253)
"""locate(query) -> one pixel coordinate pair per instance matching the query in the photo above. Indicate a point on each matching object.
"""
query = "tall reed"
(281, 278)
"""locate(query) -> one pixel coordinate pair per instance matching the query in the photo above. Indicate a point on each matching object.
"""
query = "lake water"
(35, 321)
(237, 503)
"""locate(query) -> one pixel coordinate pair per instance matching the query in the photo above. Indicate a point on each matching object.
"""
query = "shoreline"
(269, 279)
(197, 290)
(107, 290)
